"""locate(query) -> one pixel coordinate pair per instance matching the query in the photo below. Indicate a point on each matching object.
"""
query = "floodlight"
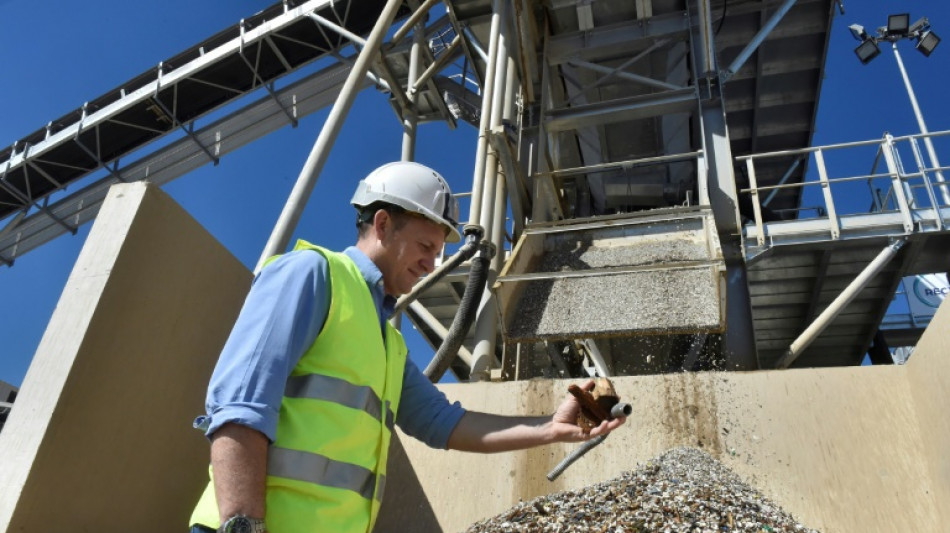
(922, 24)
(898, 24)
(927, 42)
(867, 51)
(857, 31)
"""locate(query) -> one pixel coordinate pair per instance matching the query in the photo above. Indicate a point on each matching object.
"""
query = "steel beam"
(616, 40)
(840, 302)
(621, 110)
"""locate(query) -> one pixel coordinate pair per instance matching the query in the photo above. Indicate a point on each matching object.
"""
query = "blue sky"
(55, 55)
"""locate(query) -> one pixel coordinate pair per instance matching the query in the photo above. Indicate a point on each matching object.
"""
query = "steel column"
(411, 116)
(486, 322)
(484, 124)
(297, 200)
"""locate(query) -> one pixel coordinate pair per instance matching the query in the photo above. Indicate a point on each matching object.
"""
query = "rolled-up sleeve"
(424, 411)
(282, 316)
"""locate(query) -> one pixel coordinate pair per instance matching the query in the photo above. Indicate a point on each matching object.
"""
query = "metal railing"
(921, 198)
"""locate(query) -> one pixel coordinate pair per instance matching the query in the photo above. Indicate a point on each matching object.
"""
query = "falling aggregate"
(683, 490)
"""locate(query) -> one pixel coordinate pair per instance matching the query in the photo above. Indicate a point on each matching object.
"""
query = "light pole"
(899, 27)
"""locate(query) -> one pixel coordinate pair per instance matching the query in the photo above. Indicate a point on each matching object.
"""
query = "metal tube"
(598, 358)
(757, 40)
(486, 325)
(411, 117)
(574, 456)
(623, 74)
(944, 192)
(413, 20)
(835, 307)
(620, 68)
(481, 150)
(436, 66)
(297, 200)
(431, 321)
(788, 174)
(473, 42)
(329, 24)
(486, 216)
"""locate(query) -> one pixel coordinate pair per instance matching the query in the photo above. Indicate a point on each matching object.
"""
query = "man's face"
(410, 253)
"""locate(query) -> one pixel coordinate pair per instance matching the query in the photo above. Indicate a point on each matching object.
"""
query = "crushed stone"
(682, 490)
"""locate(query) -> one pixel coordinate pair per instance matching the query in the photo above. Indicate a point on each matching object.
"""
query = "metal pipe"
(788, 174)
(473, 42)
(495, 119)
(574, 456)
(329, 24)
(297, 200)
(411, 116)
(757, 40)
(598, 358)
(413, 20)
(623, 74)
(418, 310)
(604, 79)
(481, 150)
(486, 325)
(621, 165)
(835, 307)
(944, 192)
(444, 58)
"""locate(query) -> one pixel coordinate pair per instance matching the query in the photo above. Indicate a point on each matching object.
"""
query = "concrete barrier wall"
(928, 377)
(843, 449)
(99, 438)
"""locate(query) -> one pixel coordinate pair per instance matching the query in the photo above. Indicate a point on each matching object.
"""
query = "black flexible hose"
(449, 350)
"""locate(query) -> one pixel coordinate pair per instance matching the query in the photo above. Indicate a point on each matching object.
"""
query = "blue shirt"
(281, 318)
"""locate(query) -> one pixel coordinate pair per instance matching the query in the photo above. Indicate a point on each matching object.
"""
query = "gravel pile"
(684, 489)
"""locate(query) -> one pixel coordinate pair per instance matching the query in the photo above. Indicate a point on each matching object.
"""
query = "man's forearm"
(486, 433)
(239, 465)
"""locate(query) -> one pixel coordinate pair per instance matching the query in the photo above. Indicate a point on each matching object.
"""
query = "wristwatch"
(243, 524)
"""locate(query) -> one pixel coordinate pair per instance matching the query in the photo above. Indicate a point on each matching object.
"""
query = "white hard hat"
(415, 188)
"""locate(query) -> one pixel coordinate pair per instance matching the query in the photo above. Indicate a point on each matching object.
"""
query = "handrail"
(914, 193)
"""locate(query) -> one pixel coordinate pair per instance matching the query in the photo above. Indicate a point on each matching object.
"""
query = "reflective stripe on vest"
(332, 389)
(315, 468)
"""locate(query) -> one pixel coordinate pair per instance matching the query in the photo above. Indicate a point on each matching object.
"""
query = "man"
(303, 398)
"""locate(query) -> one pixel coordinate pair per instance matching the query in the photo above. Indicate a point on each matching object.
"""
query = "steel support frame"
(717, 182)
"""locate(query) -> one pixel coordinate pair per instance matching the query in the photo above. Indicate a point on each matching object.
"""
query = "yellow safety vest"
(326, 470)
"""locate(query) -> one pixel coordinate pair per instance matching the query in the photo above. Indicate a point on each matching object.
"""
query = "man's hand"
(564, 421)
(487, 433)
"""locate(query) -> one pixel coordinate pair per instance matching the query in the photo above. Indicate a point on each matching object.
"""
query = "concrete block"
(928, 376)
(100, 437)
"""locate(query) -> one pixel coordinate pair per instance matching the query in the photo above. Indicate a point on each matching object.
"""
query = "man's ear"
(382, 223)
